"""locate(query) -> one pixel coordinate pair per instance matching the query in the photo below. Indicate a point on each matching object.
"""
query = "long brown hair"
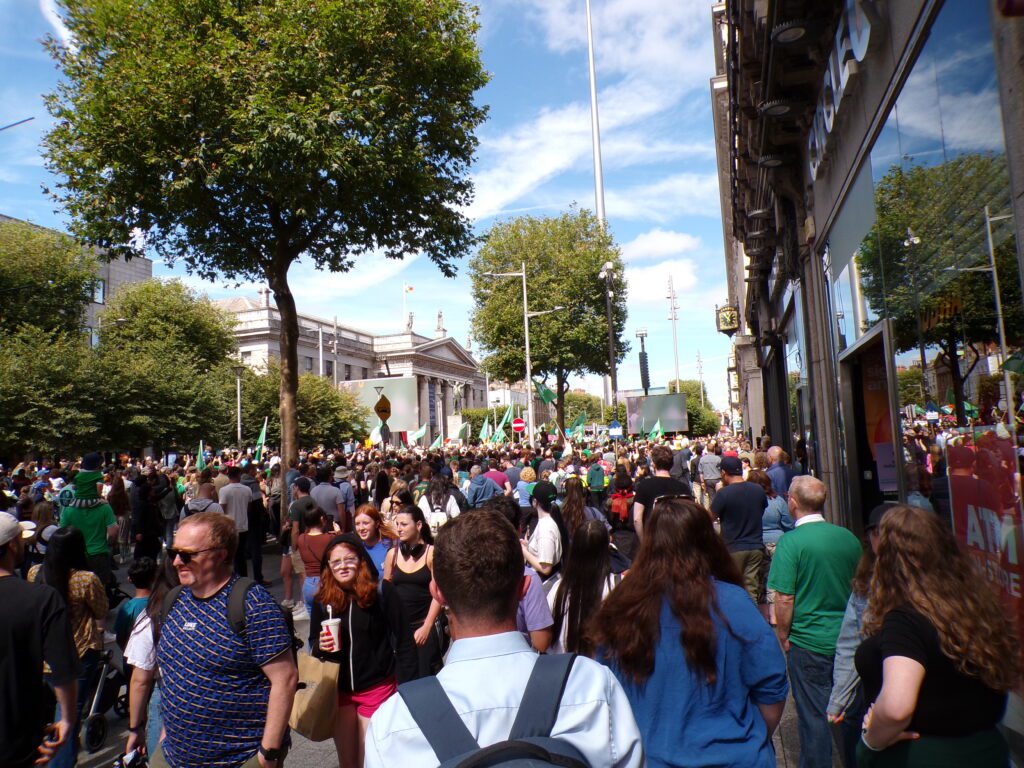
(331, 593)
(919, 564)
(573, 504)
(679, 555)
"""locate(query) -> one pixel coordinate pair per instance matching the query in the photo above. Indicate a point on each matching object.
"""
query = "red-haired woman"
(721, 683)
(372, 663)
(377, 535)
(940, 654)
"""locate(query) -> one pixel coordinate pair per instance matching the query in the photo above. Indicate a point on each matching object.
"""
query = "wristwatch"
(136, 729)
(272, 755)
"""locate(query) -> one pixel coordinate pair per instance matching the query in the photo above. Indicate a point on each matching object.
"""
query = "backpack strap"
(539, 707)
(169, 600)
(236, 604)
(437, 719)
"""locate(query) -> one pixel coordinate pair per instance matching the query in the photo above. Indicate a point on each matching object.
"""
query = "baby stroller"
(111, 692)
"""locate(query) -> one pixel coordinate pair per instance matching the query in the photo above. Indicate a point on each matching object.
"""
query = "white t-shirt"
(546, 542)
(558, 644)
(435, 519)
(140, 651)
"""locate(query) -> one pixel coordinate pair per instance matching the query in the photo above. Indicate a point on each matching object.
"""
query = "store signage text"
(851, 45)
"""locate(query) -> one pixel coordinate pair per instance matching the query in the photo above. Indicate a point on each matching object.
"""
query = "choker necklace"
(412, 552)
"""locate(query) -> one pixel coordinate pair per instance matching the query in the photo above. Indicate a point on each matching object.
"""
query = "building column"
(423, 416)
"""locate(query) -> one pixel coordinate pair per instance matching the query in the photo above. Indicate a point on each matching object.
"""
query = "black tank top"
(413, 590)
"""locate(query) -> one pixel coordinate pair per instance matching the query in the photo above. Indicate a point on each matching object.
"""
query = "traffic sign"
(518, 425)
(383, 408)
(615, 429)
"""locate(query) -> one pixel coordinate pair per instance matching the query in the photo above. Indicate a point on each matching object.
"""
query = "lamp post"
(527, 314)
(645, 377)
(16, 123)
(607, 273)
(238, 399)
(595, 123)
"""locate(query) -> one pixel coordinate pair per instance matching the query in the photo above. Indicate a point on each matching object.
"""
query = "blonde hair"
(527, 475)
(919, 564)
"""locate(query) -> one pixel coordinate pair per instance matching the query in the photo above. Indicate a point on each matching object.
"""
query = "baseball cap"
(731, 465)
(303, 484)
(10, 528)
(875, 518)
(544, 491)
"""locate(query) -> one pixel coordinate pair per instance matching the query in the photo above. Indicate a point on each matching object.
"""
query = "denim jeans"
(309, 588)
(67, 755)
(810, 677)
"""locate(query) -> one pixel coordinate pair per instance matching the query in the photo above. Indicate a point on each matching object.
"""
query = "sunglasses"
(672, 497)
(185, 555)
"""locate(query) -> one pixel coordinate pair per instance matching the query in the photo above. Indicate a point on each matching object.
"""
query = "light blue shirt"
(594, 717)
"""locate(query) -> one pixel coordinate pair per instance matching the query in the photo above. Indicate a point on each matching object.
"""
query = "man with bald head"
(811, 573)
(779, 470)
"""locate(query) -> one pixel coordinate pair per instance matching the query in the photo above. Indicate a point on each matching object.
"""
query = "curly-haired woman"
(720, 685)
(940, 654)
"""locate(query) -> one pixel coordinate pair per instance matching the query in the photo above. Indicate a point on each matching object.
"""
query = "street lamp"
(526, 334)
(645, 375)
(238, 399)
(607, 274)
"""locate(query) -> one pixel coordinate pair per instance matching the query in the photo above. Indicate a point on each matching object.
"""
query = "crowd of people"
(689, 589)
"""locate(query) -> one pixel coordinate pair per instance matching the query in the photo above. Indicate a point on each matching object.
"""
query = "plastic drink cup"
(334, 627)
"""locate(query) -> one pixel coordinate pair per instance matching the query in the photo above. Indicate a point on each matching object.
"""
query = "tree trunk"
(953, 364)
(289, 343)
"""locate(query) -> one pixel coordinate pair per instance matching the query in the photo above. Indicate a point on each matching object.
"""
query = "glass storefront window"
(798, 384)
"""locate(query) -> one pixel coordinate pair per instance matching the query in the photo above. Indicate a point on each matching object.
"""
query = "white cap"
(10, 528)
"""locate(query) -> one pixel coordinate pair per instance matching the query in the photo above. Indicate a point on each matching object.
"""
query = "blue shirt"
(378, 552)
(214, 693)
(126, 616)
(686, 723)
(776, 520)
(781, 476)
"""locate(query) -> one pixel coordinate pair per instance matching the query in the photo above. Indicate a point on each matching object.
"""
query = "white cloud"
(51, 12)
(666, 198)
(659, 244)
(649, 284)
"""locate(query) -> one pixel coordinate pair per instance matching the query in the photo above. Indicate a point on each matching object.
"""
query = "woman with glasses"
(720, 686)
(375, 648)
(410, 568)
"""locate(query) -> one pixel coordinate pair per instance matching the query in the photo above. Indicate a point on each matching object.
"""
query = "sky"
(654, 61)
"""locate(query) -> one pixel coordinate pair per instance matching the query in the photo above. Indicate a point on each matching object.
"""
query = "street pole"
(700, 377)
(673, 316)
(999, 314)
(529, 365)
(238, 401)
(595, 123)
(606, 273)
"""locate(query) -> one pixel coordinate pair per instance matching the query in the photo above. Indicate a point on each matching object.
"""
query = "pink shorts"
(367, 702)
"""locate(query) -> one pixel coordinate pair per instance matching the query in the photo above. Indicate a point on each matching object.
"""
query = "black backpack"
(236, 609)
(529, 743)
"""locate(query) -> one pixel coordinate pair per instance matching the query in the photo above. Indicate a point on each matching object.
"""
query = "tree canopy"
(703, 419)
(240, 137)
(563, 257)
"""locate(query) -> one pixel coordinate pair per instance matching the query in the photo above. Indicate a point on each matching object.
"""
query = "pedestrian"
(481, 588)
(257, 520)
(205, 501)
(235, 499)
(774, 522)
(739, 507)
(226, 695)
(317, 532)
(90, 514)
(549, 539)
(575, 510)
(584, 583)
(328, 497)
(438, 503)
(141, 573)
(376, 650)
(410, 568)
(710, 473)
(811, 574)
(527, 477)
(619, 511)
(343, 480)
(699, 665)
(66, 569)
(34, 629)
(399, 495)
(779, 470)
(660, 484)
(596, 482)
(146, 524)
(940, 655)
(377, 536)
(481, 487)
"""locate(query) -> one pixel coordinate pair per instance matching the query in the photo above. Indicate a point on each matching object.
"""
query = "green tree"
(47, 393)
(238, 137)
(563, 256)
(929, 224)
(703, 420)
(910, 384)
(46, 279)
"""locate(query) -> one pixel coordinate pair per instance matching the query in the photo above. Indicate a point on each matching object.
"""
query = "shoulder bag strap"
(437, 719)
(539, 707)
(169, 600)
(236, 604)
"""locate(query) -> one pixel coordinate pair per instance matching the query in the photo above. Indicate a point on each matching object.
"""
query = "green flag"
(499, 437)
(504, 419)
(657, 431)
(485, 430)
(417, 435)
(464, 430)
(261, 440)
(1014, 363)
(201, 458)
(546, 395)
(436, 444)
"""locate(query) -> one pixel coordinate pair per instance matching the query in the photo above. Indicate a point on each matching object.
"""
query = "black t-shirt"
(33, 628)
(650, 488)
(740, 509)
(950, 703)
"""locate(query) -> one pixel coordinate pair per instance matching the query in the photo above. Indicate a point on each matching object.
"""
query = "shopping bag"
(316, 700)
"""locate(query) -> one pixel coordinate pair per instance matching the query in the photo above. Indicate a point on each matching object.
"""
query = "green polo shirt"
(815, 563)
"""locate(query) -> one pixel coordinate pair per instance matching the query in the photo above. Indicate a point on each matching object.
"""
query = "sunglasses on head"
(672, 497)
(186, 555)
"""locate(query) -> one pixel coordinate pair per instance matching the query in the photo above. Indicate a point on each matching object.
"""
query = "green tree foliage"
(46, 279)
(916, 281)
(47, 393)
(563, 257)
(910, 384)
(703, 420)
(239, 136)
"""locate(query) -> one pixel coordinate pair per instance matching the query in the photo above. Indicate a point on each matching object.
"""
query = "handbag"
(316, 699)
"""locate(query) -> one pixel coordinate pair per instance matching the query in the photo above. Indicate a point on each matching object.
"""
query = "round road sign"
(518, 425)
